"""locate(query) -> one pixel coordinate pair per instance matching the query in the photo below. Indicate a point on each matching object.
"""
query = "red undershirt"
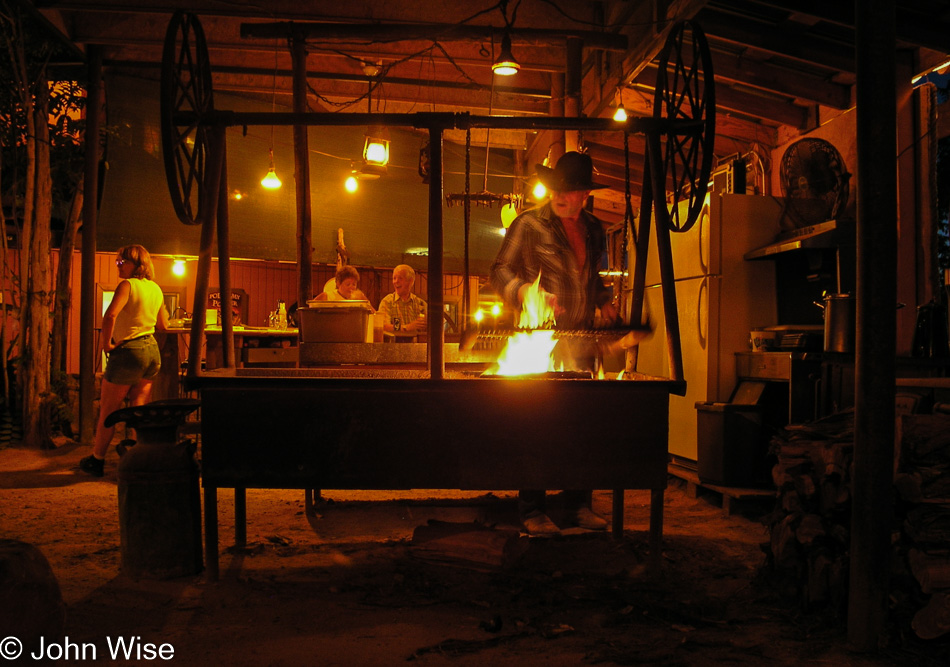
(577, 237)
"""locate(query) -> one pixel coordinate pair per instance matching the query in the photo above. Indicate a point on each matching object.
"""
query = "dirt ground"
(345, 588)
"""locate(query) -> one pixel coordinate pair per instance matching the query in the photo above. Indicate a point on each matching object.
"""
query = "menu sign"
(238, 304)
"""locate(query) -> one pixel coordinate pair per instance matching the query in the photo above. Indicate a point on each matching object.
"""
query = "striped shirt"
(536, 242)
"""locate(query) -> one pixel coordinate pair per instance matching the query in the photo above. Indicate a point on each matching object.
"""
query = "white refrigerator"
(720, 297)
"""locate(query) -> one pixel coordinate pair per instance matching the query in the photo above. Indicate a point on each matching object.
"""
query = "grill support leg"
(211, 532)
(240, 516)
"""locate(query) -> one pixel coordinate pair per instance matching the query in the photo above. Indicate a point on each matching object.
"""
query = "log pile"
(810, 526)
(922, 483)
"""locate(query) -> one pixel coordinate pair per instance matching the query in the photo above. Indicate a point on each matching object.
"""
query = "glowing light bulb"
(620, 115)
(178, 267)
(351, 184)
(479, 315)
(496, 309)
(539, 191)
(271, 182)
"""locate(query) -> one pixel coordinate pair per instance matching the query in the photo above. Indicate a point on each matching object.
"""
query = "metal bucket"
(839, 323)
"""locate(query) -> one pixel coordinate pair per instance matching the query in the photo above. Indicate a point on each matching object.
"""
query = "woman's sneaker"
(92, 465)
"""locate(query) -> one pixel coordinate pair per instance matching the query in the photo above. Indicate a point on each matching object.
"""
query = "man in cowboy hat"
(565, 244)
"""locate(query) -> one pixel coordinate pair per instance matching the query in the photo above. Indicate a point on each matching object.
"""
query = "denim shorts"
(134, 360)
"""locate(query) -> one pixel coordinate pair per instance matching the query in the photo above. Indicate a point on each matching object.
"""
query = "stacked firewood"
(810, 526)
(923, 493)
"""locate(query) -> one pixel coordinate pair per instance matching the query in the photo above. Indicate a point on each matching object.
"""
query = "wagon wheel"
(186, 97)
(685, 97)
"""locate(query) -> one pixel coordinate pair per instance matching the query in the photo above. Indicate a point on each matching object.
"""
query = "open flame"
(531, 351)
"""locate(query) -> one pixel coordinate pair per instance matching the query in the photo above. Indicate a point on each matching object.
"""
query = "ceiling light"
(539, 191)
(270, 181)
(620, 115)
(376, 147)
(505, 64)
(178, 267)
(351, 184)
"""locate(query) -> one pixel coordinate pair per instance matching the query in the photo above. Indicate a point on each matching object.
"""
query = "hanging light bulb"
(539, 191)
(505, 64)
(178, 267)
(270, 181)
(620, 115)
(351, 184)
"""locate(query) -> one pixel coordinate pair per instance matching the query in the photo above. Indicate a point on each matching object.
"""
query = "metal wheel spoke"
(186, 98)
(685, 97)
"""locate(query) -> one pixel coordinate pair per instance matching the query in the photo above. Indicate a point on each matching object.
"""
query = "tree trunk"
(64, 295)
(35, 341)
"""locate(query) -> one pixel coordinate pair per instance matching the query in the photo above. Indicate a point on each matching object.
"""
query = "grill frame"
(318, 429)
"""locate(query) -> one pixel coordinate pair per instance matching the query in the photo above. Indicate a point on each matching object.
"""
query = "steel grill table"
(338, 429)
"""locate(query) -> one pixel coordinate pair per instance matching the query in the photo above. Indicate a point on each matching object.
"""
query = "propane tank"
(159, 495)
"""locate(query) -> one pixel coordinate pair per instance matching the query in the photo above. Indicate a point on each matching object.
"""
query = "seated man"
(402, 310)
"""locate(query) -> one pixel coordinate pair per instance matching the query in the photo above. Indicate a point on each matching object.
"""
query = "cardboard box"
(334, 321)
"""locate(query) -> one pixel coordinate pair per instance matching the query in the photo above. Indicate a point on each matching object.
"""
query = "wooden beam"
(759, 74)
(911, 25)
(745, 103)
(333, 32)
(780, 40)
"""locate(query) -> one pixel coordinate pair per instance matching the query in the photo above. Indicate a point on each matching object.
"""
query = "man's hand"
(418, 325)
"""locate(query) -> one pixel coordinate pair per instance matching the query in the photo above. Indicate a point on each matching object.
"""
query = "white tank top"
(140, 313)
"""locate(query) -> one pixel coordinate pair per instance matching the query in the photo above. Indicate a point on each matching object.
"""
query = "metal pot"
(930, 334)
(839, 322)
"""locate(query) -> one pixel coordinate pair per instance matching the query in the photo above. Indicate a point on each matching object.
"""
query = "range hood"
(812, 236)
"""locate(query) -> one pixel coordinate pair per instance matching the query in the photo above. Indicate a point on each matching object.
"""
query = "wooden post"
(302, 173)
(203, 274)
(434, 295)
(572, 89)
(224, 260)
(87, 303)
(875, 350)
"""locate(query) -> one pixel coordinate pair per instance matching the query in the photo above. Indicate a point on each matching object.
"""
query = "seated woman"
(346, 288)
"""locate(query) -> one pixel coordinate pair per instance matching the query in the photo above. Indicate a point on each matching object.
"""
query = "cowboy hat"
(572, 172)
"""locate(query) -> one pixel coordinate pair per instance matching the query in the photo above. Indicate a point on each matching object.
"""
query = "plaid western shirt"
(393, 308)
(536, 242)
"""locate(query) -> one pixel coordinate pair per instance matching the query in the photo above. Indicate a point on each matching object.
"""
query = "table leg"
(656, 529)
(211, 531)
(240, 517)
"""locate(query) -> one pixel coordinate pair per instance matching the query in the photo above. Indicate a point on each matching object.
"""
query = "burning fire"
(531, 351)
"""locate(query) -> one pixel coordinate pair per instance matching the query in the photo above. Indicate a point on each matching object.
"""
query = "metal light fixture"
(620, 115)
(505, 64)
(270, 181)
(376, 147)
